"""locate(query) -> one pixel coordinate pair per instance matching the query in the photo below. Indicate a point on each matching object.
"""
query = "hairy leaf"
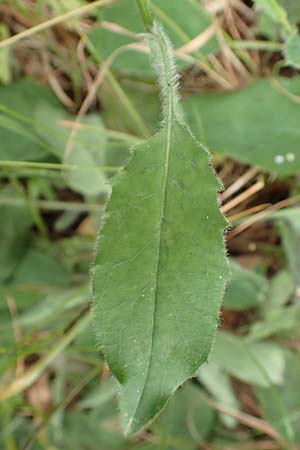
(160, 270)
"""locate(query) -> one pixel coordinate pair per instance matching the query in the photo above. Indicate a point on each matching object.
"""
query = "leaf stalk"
(145, 13)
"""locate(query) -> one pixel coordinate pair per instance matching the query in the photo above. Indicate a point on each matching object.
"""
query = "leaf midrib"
(168, 126)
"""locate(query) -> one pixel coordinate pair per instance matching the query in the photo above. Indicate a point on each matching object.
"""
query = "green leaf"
(145, 101)
(246, 289)
(83, 430)
(290, 235)
(266, 26)
(160, 271)
(281, 290)
(39, 267)
(291, 50)
(99, 396)
(292, 9)
(218, 383)
(185, 413)
(283, 411)
(87, 150)
(15, 225)
(289, 226)
(53, 306)
(21, 140)
(275, 11)
(223, 121)
(260, 364)
(282, 322)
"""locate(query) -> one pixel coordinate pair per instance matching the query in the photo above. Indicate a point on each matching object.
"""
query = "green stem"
(256, 45)
(49, 205)
(56, 166)
(145, 13)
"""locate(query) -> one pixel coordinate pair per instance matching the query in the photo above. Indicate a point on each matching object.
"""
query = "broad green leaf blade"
(223, 121)
(160, 271)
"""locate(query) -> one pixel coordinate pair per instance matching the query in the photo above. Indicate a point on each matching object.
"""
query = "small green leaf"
(275, 11)
(87, 150)
(15, 225)
(260, 364)
(145, 101)
(246, 289)
(39, 267)
(291, 50)
(282, 322)
(290, 235)
(283, 411)
(281, 290)
(217, 382)
(292, 9)
(185, 412)
(266, 26)
(20, 139)
(288, 222)
(160, 271)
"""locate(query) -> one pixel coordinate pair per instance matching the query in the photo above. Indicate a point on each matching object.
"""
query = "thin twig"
(239, 183)
(243, 196)
(263, 215)
(248, 420)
